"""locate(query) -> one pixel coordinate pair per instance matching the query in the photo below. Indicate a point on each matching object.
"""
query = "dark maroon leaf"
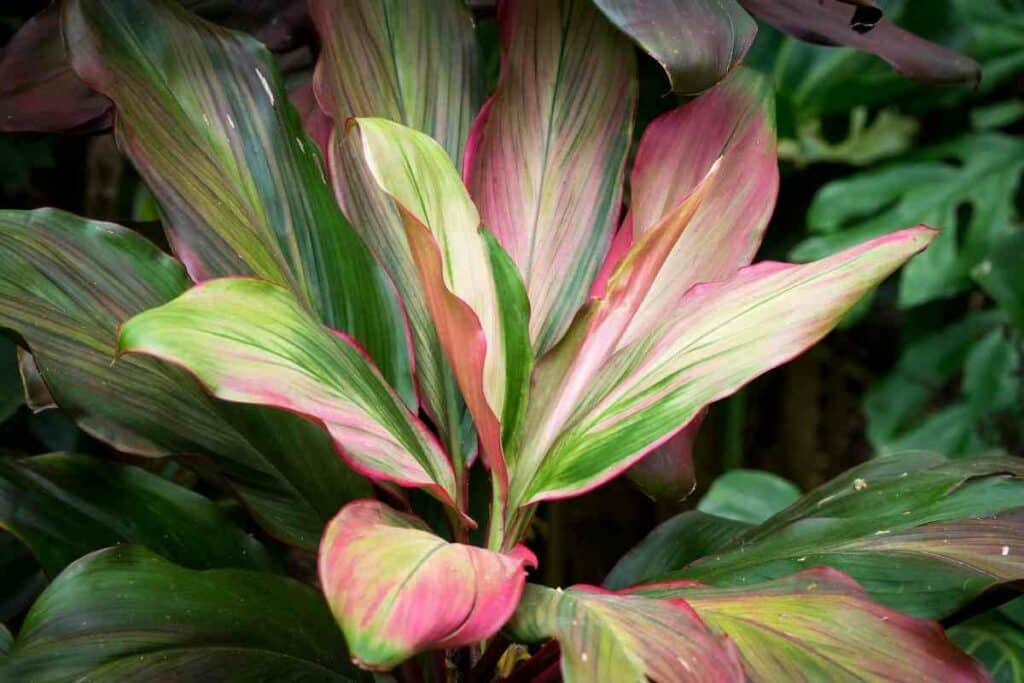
(859, 24)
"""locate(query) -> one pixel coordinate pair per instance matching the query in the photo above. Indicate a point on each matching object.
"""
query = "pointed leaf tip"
(397, 590)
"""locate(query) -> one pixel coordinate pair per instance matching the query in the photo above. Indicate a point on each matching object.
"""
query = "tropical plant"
(336, 344)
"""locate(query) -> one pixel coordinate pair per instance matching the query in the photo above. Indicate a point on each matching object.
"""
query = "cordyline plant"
(424, 324)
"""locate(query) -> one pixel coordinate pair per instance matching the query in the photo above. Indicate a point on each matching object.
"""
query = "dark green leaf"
(203, 114)
(67, 285)
(63, 506)
(1000, 276)
(11, 394)
(995, 641)
(748, 496)
(676, 543)
(897, 406)
(921, 534)
(22, 581)
(992, 379)
(125, 614)
(965, 187)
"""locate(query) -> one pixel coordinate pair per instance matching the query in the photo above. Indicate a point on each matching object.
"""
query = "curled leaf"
(396, 589)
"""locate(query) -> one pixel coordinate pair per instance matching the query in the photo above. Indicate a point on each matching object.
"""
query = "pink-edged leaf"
(396, 589)
(603, 411)
(546, 156)
(666, 473)
(609, 637)
(249, 341)
(203, 114)
(696, 42)
(38, 89)
(836, 22)
(473, 291)
(414, 62)
(734, 122)
(820, 625)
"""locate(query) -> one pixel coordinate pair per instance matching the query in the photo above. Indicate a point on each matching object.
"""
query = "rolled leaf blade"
(112, 614)
(609, 637)
(204, 116)
(473, 292)
(546, 156)
(67, 285)
(64, 506)
(396, 589)
(697, 42)
(820, 625)
(415, 63)
(251, 342)
(721, 336)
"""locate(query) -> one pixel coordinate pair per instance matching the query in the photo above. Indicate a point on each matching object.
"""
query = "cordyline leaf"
(921, 534)
(249, 341)
(23, 579)
(316, 124)
(602, 405)
(203, 115)
(546, 156)
(63, 506)
(66, 286)
(126, 614)
(696, 42)
(396, 589)
(834, 22)
(37, 395)
(628, 638)
(415, 63)
(473, 291)
(40, 92)
(819, 625)
(675, 543)
(996, 641)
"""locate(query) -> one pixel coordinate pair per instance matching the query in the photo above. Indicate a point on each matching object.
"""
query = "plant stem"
(537, 665)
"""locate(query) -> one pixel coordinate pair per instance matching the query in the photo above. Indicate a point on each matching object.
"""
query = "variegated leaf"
(627, 638)
(204, 116)
(396, 589)
(546, 156)
(473, 291)
(819, 625)
(413, 62)
(697, 42)
(250, 341)
(66, 286)
(603, 405)
(921, 534)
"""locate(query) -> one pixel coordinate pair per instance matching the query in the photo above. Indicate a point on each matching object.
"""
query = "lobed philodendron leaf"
(413, 62)
(921, 534)
(125, 614)
(396, 589)
(63, 506)
(473, 291)
(67, 285)
(603, 404)
(696, 42)
(546, 156)
(250, 341)
(819, 625)
(628, 638)
(204, 116)
(834, 22)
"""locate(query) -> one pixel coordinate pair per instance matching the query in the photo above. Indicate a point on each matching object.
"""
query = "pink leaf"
(396, 589)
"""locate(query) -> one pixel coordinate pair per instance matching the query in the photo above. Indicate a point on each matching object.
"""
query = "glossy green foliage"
(126, 614)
